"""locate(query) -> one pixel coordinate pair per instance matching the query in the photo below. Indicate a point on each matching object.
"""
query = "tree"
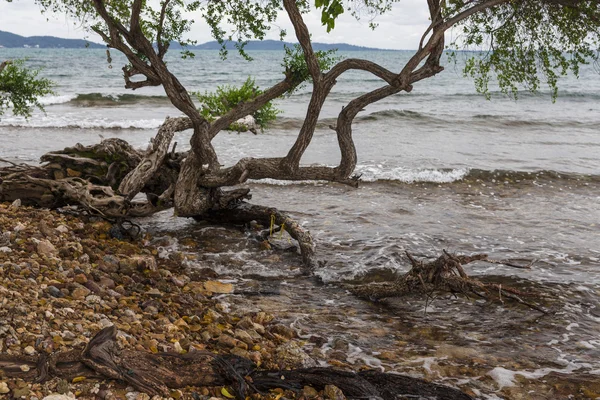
(520, 42)
(20, 88)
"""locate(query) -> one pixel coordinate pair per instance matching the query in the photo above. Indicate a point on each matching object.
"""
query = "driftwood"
(104, 178)
(444, 274)
(156, 374)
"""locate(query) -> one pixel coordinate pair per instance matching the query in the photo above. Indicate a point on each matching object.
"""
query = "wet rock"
(332, 392)
(284, 331)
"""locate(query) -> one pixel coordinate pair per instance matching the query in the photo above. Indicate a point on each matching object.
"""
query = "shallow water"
(441, 168)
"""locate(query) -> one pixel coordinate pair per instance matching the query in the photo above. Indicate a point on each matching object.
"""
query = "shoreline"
(63, 279)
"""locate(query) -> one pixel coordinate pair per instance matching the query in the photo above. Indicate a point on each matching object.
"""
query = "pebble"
(29, 350)
(4, 388)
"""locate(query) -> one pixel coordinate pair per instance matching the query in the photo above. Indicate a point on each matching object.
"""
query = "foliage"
(295, 63)
(20, 89)
(528, 43)
(226, 97)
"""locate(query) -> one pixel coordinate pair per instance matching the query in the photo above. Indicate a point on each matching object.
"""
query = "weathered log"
(157, 373)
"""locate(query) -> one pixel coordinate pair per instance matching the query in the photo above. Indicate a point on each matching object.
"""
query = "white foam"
(505, 377)
(61, 99)
(372, 173)
(56, 121)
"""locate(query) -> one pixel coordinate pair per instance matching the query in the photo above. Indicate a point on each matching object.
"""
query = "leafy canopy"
(524, 44)
(20, 88)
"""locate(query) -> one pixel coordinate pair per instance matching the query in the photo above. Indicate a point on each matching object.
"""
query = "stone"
(54, 291)
(62, 229)
(29, 350)
(80, 292)
(291, 355)
(309, 392)
(57, 397)
(154, 292)
(45, 248)
(15, 204)
(4, 388)
(332, 392)
(218, 287)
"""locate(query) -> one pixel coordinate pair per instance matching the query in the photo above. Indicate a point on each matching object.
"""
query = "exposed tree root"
(444, 274)
(242, 213)
(156, 374)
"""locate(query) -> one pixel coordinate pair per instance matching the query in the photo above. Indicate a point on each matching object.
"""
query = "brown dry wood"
(156, 374)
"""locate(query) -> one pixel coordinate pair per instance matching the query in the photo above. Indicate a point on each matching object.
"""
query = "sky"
(399, 29)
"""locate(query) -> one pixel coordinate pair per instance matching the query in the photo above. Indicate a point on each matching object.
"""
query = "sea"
(442, 168)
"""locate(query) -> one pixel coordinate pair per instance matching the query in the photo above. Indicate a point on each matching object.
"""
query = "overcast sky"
(400, 29)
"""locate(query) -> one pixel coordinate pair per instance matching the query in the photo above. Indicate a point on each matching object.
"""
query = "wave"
(380, 174)
(104, 100)
(69, 123)
(375, 173)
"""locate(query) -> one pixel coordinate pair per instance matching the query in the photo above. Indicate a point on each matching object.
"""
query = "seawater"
(441, 168)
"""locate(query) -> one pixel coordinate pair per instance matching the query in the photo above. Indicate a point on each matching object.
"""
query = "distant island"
(10, 40)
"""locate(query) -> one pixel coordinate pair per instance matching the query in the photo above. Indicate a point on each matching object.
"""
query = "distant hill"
(10, 40)
(276, 45)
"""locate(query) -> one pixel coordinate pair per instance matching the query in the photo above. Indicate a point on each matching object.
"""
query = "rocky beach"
(62, 279)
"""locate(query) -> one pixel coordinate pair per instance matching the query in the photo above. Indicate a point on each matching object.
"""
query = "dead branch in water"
(444, 274)
(156, 374)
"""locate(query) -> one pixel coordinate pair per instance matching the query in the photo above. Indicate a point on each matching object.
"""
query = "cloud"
(400, 28)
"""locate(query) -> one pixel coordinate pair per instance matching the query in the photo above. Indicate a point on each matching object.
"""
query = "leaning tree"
(518, 43)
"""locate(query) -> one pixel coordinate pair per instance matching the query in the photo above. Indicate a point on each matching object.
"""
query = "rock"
(57, 397)
(333, 393)
(45, 229)
(284, 331)
(309, 392)
(5, 249)
(21, 392)
(218, 287)
(4, 388)
(80, 292)
(109, 264)
(62, 229)
(291, 355)
(54, 291)
(15, 204)
(45, 248)
(154, 292)
(5, 239)
(29, 350)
